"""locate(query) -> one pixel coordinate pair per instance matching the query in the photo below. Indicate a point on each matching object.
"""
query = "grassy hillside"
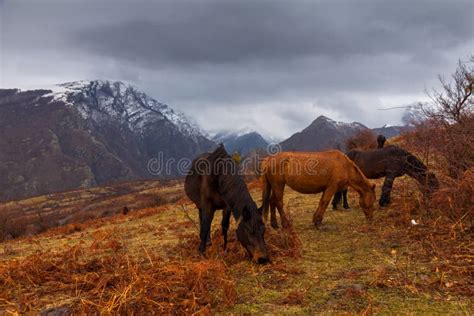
(148, 261)
(36, 214)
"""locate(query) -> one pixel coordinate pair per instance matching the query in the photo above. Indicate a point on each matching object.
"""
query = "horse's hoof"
(202, 249)
(275, 226)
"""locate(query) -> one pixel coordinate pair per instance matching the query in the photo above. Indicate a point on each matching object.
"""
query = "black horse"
(392, 162)
(343, 194)
(214, 183)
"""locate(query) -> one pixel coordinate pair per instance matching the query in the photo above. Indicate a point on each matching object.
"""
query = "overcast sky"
(273, 66)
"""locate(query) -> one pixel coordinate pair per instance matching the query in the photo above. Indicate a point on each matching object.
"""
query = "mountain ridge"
(325, 133)
(87, 134)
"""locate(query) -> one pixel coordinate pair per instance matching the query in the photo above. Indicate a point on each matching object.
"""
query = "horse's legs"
(344, 198)
(323, 204)
(225, 224)
(206, 215)
(386, 189)
(200, 223)
(336, 199)
(273, 218)
(278, 194)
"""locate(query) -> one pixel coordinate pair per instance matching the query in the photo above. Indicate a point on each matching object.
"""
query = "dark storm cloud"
(270, 65)
(234, 32)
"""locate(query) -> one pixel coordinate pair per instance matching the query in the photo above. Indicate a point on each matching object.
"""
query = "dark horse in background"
(391, 162)
(343, 194)
(213, 183)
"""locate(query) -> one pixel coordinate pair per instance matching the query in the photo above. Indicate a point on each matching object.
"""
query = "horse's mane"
(231, 184)
(353, 153)
(357, 170)
(413, 162)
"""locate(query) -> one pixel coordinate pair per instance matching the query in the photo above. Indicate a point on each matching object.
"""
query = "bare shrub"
(443, 136)
(17, 227)
(444, 127)
(3, 225)
(456, 200)
(364, 139)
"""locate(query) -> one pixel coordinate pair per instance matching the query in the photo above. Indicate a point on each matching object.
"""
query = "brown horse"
(310, 173)
(214, 183)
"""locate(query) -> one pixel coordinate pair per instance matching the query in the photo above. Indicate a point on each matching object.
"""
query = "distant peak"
(323, 118)
(336, 124)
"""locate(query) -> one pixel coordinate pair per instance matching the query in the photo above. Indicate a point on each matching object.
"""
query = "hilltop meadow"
(148, 261)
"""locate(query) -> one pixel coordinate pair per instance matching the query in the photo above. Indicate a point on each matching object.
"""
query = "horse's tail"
(266, 194)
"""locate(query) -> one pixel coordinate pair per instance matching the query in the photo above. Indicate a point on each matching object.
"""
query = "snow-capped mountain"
(88, 133)
(98, 100)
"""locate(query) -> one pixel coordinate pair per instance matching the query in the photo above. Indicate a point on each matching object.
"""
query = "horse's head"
(431, 182)
(250, 232)
(366, 201)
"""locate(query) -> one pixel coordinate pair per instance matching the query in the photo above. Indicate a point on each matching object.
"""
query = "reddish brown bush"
(364, 139)
(444, 127)
(457, 200)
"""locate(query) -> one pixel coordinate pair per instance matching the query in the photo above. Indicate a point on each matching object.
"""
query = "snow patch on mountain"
(226, 135)
(338, 124)
(101, 99)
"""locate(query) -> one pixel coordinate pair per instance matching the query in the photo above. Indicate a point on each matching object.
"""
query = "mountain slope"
(243, 142)
(322, 134)
(85, 134)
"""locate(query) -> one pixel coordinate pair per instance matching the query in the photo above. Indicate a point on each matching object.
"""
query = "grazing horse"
(213, 183)
(310, 173)
(392, 162)
(343, 193)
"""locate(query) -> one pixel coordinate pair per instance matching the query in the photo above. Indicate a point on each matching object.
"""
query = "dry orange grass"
(441, 238)
(103, 277)
(115, 283)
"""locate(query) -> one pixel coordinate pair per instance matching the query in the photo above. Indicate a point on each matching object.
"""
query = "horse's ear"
(246, 213)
